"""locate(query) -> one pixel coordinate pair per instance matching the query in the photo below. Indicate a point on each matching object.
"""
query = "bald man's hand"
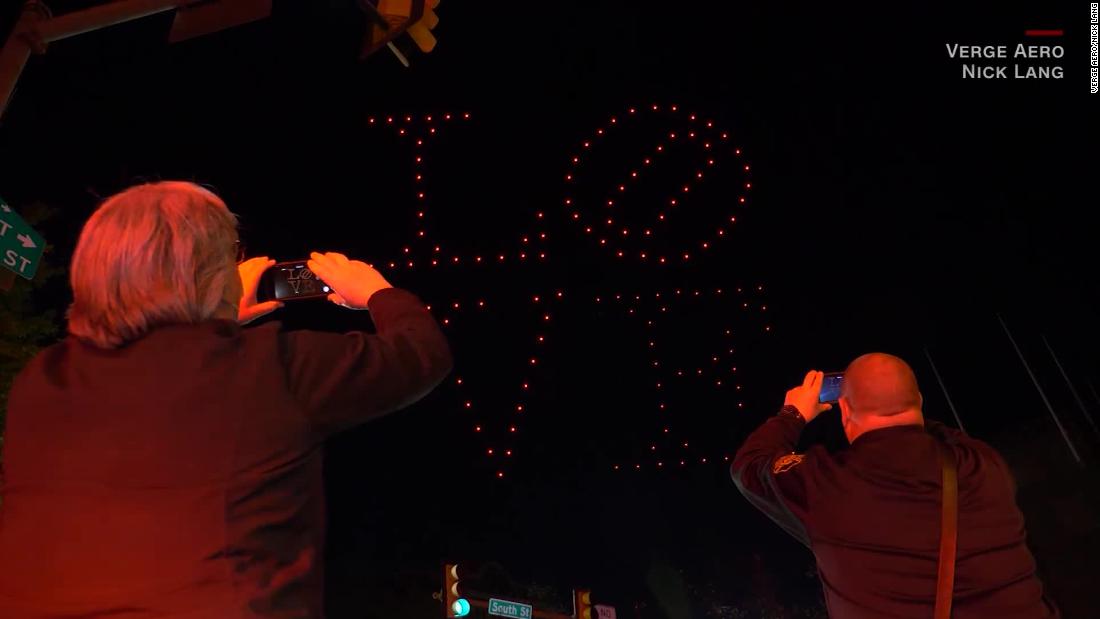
(804, 397)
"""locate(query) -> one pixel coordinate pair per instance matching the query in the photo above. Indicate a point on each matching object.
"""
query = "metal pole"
(1072, 389)
(36, 28)
(102, 16)
(1042, 394)
(943, 388)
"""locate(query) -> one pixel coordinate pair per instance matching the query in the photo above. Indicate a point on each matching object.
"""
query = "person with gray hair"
(161, 461)
(877, 515)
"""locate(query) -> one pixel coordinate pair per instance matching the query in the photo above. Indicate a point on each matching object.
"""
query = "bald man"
(871, 513)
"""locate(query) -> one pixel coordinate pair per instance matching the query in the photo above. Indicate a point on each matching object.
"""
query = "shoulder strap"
(949, 532)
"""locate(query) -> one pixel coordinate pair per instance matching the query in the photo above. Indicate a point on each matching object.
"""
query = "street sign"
(20, 246)
(605, 612)
(504, 608)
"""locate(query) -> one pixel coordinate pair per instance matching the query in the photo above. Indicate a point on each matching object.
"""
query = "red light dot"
(371, 121)
(526, 386)
(613, 120)
(509, 452)
(512, 429)
(686, 189)
(534, 361)
(489, 451)
(654, 107)
(634, 174)
(390, 119)
(546, 316)
(446, 117)
(500, 474)
(737, 152)
(519, 408)
(466, 115)
(622, 187)
(646, 161)
(576, 159)
(599, 131)
(631, 110)
(408, 119)
(458, 381)
(576, 215)
(477, 428)
(587, 144)
(660, 148)
(402, 132)
(469, 404)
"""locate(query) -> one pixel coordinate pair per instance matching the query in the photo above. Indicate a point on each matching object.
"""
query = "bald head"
(880, 385)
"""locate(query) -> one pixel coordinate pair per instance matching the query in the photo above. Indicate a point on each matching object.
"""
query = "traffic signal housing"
(455, 604)
(583, 603)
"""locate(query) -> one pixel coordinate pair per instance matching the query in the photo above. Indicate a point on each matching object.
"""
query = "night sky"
(893, 206)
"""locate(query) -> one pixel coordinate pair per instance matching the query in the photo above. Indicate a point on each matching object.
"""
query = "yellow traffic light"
(455, 604)
(420, 32)
(583, 603)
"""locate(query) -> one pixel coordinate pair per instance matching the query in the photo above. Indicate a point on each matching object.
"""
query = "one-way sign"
(20, 246)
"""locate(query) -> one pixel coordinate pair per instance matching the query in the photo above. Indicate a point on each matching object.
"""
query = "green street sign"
(504, 608)
(20, 246)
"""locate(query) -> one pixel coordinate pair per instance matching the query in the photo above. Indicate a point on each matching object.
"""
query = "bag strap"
(949, 532)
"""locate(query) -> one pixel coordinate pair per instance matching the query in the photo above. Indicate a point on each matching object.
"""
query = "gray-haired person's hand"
(353, 282)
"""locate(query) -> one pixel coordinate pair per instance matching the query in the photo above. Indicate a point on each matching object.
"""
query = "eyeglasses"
(239, 250)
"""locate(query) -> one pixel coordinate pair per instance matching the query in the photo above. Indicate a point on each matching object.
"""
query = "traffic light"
(421, 31)
(392, 18)
(583, 603)
(455, 605)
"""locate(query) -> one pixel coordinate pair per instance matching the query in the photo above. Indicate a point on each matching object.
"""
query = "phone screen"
(294, 280)
(830, 387)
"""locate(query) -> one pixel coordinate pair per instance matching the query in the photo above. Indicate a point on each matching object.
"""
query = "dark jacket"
(871, 515)
(180, 475)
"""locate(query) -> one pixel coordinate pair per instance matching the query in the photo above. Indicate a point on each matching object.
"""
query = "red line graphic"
(1044, 33)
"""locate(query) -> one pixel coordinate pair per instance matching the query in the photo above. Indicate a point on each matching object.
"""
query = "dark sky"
(895, 206)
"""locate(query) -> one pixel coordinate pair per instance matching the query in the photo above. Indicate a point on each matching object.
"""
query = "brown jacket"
(871, 515)
(180, 475)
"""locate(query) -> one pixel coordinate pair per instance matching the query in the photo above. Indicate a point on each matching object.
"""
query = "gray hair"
(154, 254)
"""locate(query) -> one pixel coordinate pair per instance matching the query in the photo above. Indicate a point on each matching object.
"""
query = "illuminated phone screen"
(294, 281)
(830, 387)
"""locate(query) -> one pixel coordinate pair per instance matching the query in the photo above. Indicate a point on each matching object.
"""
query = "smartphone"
(830, 387)
(289, 281)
